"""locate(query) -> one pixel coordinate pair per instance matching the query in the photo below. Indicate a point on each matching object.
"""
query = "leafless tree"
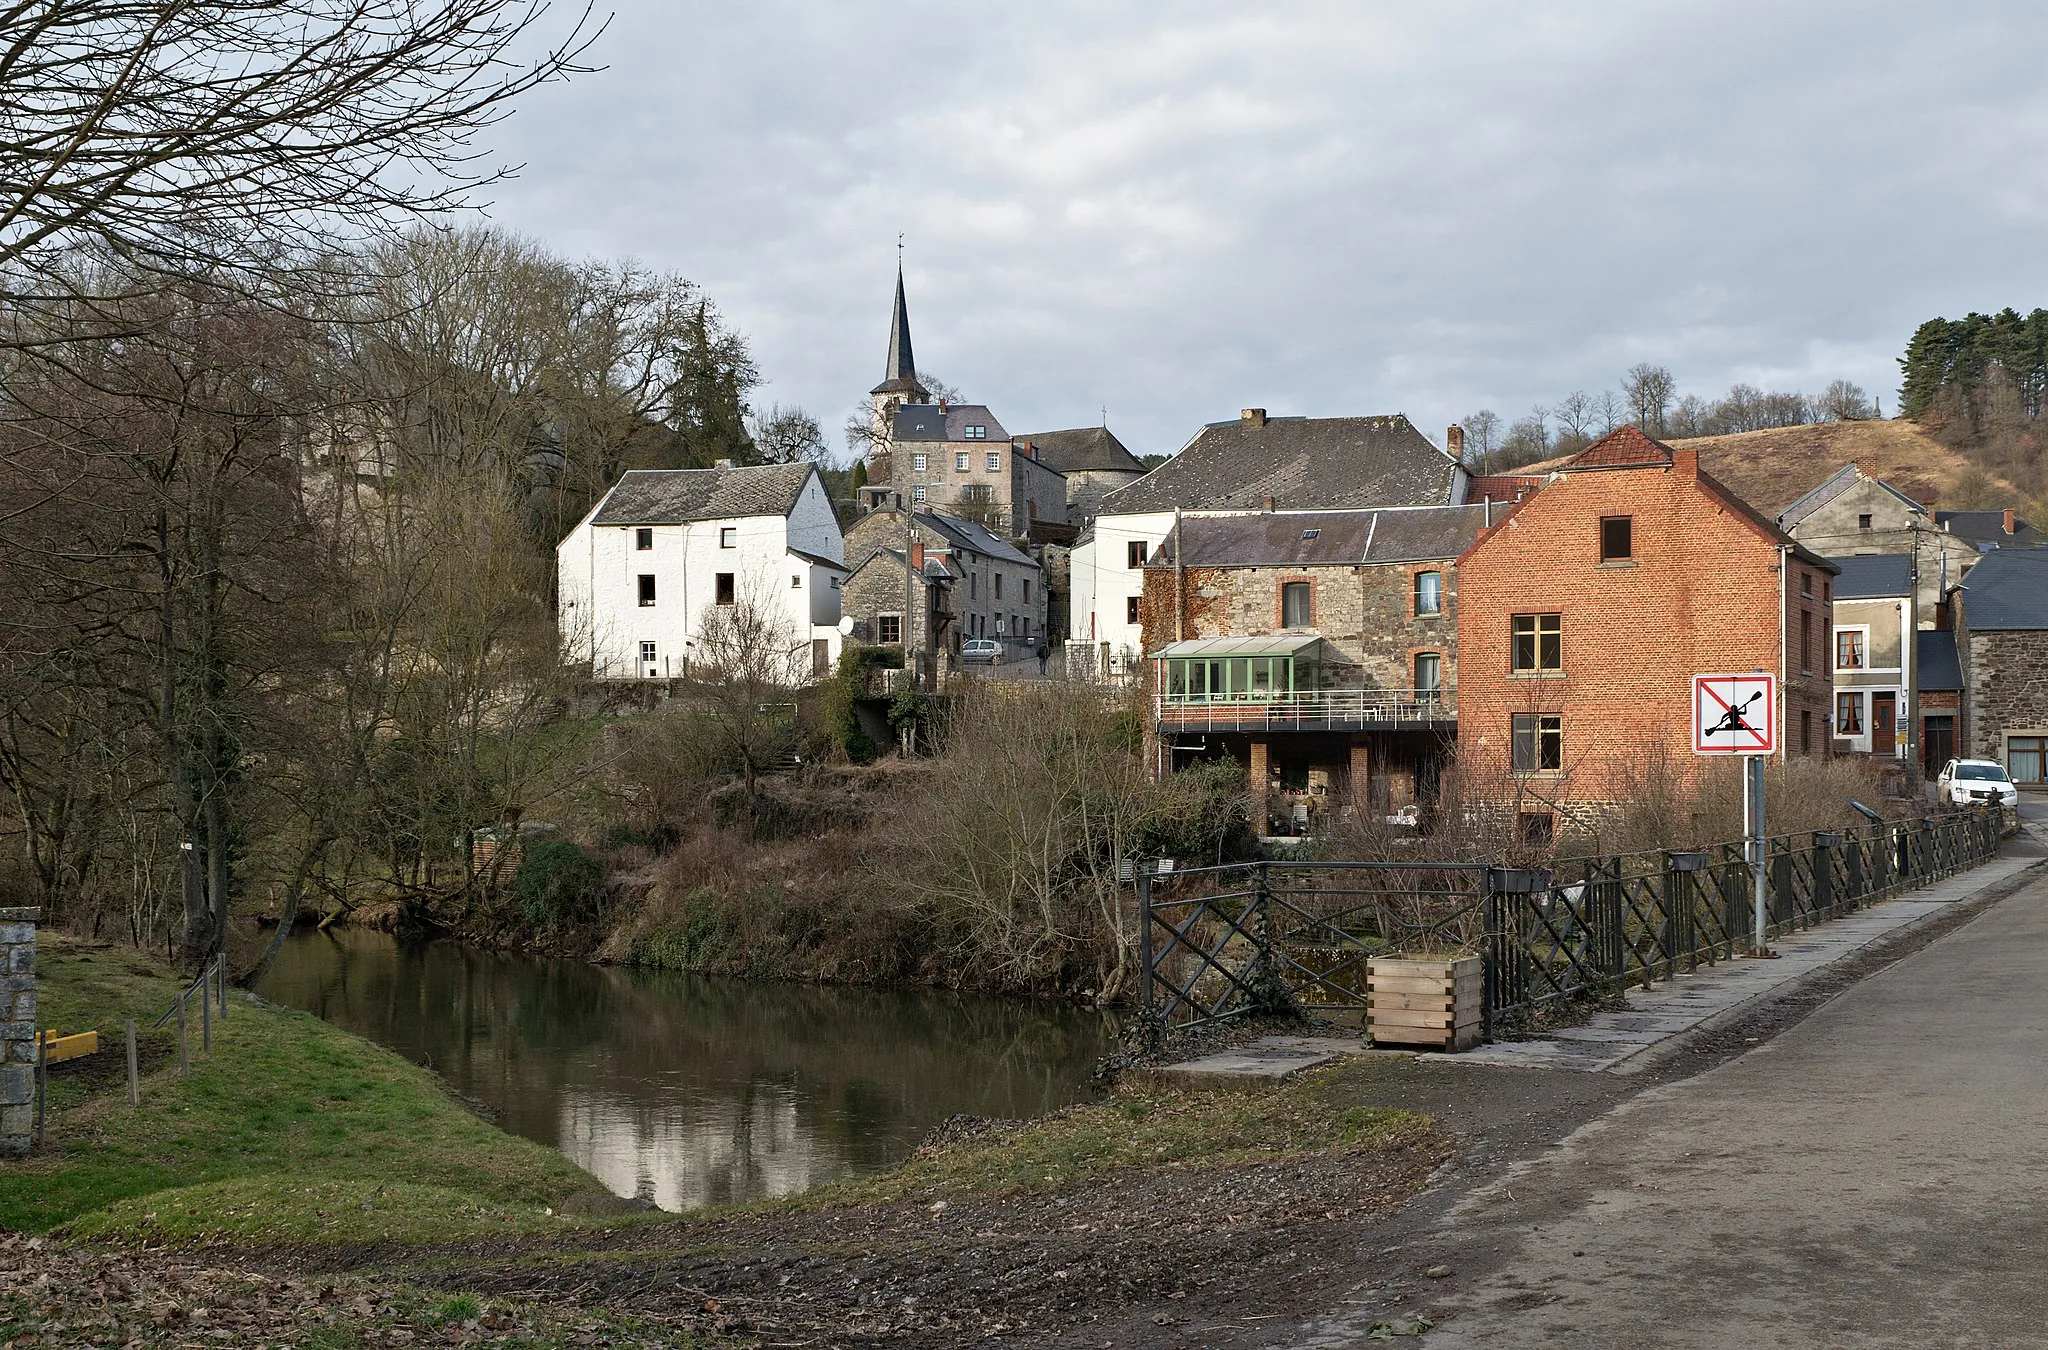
(1574, 413)
(1610, 409)
(789, 436)
(226, 136)
(1482, 437)
(1649, 390)
(1843, 401)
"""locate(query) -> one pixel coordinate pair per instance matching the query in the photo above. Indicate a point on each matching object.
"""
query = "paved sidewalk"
(1875, 1175)
(1622, 1041)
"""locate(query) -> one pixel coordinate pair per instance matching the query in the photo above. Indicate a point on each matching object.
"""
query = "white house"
(1252, 463)
(665, 548)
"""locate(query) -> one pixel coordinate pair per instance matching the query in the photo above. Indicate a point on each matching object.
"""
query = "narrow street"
(1876, 1174)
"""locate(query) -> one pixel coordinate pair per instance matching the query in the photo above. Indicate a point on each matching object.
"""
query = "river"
(687, 1090)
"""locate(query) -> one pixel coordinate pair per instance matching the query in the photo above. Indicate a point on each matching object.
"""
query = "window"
(995, 461)
(1134, 553)
(889, 629)
(1805, 640)
(728, 537)
(960, 458)
(1131, 609)
(1311, 534)
(1617, 538)
(1027, 590)
(917, 492)
(1297, 609)
(1429, 593)
(1848, 714)
(1538, 742)
(977, 432)
(1537, 827)
(2026, 758)
(1429, 672)
(646, 591)
(647, 652)
(974, 585)
(1863, 522)
(1539, 642)
(643, 539)
(725, 588)
(796, 581)
(1806, 731)
(977, 492)
(1806, 585)
(999, 585)
(1849, 651)
(919, 462)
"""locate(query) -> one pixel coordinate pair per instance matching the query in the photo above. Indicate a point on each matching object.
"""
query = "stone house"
(2001, 632)
(1585, 611)
(1317, 648)
(1876, 693)
(1094, 462)
(1852, 514)
(987, 586)
(959, 461)
(1251, 463)
(666, 550)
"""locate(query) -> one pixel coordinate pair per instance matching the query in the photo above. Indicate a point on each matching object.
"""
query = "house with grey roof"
(1876, 710)
(1317, 648)
(1851, 513)
(670, 558)
(965, 581)
(1253, 462)
(2001, 632)
(1987, 530)
(1094, 462)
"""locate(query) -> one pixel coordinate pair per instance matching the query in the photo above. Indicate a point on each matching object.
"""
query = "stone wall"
(17, 1029)
(2007, 674)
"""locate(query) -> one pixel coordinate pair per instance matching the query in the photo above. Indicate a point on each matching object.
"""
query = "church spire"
(901, 375)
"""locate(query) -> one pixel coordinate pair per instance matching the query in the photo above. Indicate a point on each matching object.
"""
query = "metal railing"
(1217, 943)
(1321, 709)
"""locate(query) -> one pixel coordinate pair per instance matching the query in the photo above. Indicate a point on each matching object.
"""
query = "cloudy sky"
(1174, 211)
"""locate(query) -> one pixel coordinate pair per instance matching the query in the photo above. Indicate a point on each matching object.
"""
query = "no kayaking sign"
(1735, 714)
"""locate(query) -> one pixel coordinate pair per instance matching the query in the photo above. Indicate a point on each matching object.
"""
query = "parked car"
(982, 649)
(1975, 782)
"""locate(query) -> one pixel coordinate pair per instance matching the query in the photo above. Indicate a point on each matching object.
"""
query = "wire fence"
(1218, 943)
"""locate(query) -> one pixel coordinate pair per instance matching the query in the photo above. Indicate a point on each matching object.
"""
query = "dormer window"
(976, 433)
(1311, 534)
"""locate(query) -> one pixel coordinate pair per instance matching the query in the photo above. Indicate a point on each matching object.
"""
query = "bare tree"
(1649, 390)
(789, 436)
(225, 135)
(1843, 401)
(744, 668)
(1611, 410)
(1574, 413)
(1482, 437)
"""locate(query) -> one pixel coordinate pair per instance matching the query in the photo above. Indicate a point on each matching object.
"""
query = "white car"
(1976, 782)
(982, 649)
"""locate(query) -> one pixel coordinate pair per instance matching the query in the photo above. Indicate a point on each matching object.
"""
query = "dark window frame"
(1133, 610)
(727, 588)
(1415, 592)
(1136, 553)
(1305, 588)
(1536, 743)
(647, 590)
(643, 539)
(1617, 539)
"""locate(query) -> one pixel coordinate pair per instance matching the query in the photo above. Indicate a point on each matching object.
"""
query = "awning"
(1274, 644)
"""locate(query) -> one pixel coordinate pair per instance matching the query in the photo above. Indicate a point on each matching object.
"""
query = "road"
(1875, 1175)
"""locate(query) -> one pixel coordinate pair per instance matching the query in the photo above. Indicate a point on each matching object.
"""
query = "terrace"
(1280, 683)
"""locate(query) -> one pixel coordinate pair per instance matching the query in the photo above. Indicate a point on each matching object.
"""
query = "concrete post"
(17, 1029)
(1259, 783)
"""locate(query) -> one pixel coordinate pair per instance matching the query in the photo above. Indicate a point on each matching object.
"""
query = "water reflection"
(688, 1090)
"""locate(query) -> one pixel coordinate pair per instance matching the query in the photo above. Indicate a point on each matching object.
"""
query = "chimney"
(2008, 520)
(1253, 417)
(1266, 504)
(1687, 461)
(727, 464)
(917, 556)
(1454, 442)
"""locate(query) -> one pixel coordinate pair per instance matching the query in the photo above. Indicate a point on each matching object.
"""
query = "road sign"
(1735, 714)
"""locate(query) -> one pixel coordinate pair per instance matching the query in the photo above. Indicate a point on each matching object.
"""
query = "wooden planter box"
(1434, 1002)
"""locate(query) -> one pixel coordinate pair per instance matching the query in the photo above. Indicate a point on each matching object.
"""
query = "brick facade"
(1699, 593)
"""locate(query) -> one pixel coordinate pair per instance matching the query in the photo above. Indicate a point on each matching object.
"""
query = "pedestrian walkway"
(1620, 1041)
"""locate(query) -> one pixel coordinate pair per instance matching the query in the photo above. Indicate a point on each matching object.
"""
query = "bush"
(558, 883)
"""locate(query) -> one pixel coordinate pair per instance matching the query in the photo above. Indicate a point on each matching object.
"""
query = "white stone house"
(666, 548)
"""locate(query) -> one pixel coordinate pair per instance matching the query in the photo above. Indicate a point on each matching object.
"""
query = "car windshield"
(1989, 772)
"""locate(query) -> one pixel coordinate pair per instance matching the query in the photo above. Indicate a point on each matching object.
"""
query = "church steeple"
(900, 377)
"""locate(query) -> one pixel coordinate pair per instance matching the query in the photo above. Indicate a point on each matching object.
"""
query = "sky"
(1172, 212)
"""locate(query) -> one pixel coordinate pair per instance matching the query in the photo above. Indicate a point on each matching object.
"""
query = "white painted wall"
(1103, 585)
(598, 570)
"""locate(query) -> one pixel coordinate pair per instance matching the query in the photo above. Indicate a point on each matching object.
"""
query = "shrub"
(558, 882)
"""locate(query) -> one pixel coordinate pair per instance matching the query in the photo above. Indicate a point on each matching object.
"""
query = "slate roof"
(1311, 538)
(929, 422)
(1870, 576)
(1935, 653)
(2008, 590)
(900, 375)
(1083, 449)
(816, 559)
(962, 534)
(672, 496)
(1833, 486)
(1300, 462)
(1987, 529)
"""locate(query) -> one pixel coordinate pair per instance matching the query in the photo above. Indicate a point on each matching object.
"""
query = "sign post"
(1738, 715)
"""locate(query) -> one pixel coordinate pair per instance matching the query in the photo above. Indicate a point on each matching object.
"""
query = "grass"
(1144, 1126)
(288, 1130)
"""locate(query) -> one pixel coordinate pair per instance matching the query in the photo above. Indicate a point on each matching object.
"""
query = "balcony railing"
(1320, 710)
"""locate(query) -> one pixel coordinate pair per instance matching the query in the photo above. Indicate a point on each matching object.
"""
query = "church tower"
(900, 384)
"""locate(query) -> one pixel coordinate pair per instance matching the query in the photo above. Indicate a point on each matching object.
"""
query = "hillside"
(1770, 469)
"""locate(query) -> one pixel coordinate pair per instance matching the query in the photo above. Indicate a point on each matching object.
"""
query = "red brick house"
(1585, 611)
